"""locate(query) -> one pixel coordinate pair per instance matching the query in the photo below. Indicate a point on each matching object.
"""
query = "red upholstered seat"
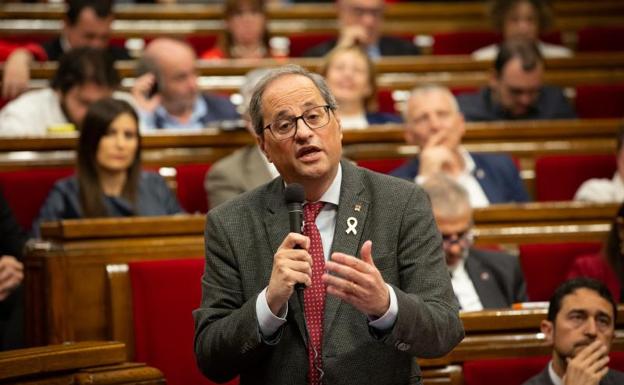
(385, 101)
(557, 177)
(164, 294)
(517, 370)
(545, 265)
(600, 101)
(596, 39)
(462, 42)
(514, 371)
(25, 191)
(191, 192)
(299, 43)
(383, 166)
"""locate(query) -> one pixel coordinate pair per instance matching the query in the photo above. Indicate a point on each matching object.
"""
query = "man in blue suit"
(435, 124)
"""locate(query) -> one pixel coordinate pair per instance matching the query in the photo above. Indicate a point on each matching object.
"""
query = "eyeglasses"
(376, 12)
(461, 238)
(286, 128)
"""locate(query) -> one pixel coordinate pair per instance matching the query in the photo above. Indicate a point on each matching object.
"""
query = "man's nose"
(590, 328)
(303, 131)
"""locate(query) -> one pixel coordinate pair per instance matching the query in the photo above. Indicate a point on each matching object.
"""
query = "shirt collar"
(199, 109)
(556, 380)
(469, 164)
(332, 195)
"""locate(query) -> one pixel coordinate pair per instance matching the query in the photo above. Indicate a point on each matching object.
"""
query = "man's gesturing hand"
(358, 282)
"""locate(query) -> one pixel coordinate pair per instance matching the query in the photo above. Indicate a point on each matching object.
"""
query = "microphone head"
(294, 193)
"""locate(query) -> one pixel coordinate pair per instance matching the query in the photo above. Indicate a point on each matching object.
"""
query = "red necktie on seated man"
(314, 296)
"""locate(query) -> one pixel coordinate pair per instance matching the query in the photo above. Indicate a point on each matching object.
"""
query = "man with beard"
(84, 76)
(481, 279)
(168, 94)
(580, 326)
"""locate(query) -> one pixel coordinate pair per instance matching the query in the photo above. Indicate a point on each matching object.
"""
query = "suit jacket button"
(402, 346)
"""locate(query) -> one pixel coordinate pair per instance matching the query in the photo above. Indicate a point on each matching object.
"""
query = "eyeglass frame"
(295, 121)
(462, 238)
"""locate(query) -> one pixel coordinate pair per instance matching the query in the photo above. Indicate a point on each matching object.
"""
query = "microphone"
(294, 196)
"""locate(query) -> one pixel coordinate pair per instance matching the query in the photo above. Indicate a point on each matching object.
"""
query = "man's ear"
(261, 144)
(547, 329)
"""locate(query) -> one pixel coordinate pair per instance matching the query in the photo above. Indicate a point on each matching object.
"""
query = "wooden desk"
(95, 363)
(65, 273)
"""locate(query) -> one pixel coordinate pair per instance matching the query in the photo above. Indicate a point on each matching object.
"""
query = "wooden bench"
(80, 363)
(65, 272)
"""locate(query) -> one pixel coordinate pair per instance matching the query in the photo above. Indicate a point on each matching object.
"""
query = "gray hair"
(255, 105)
(448, 198)
(428, 89)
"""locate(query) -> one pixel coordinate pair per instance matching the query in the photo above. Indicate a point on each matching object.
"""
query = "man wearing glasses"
(377, 292)
(360, 23)
(481, 279)
(516, 89)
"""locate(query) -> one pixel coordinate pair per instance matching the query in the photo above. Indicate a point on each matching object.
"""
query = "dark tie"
(314, 296)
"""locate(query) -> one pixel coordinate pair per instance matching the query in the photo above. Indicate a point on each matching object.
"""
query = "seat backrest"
(514, 371)
(190, 187)
(600, 101)
(164, 294)
(384, 166)
(545, 265)
(26, 190)
(557, 177)
(462, 42)
(597, 39)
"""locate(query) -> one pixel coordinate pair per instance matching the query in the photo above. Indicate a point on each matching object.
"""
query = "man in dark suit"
(87, 23)
(433, 122)
(581, 328)
(377, 290)
(360, 23)
(516, 89)
(481, 279)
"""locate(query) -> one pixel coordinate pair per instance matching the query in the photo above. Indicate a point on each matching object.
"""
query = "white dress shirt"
(268, 322)
(601, 190)
(464, 288)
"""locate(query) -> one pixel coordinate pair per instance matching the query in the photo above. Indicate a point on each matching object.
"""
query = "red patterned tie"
(314, 296)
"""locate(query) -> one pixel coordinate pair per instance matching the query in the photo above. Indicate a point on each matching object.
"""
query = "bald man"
(434, 123)
(176, 101)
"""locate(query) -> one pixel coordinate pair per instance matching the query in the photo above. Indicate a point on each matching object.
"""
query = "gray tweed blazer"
(242, 236)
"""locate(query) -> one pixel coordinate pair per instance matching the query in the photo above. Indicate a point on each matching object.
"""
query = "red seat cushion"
(545, 265)
(384, 166)
(462, 42)
(299, 43)
(514, 371)
(25, 191)
(597, 39)
(600, 101)
(164, 294)
(555, 181)
(191, 192)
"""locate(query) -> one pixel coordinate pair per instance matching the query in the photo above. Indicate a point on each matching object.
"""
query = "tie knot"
(311, 211)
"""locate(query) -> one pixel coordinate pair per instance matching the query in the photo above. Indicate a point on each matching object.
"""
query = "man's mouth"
(307, 151)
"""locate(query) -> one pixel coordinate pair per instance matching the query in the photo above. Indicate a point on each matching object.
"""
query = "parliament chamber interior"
(109, 299)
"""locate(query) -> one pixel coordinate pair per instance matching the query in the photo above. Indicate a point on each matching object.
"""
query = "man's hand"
(140, 92)
(16, 74)
(358, 282)
(290, 266)
(589, 366)
(438, 159)
(352, 35)
(11, 275)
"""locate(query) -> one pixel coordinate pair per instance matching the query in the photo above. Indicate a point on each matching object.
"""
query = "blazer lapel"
(277, 227)
(484, 283)
(350, 220)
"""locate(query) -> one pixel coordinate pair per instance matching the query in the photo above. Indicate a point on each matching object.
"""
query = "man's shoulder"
(247, 203)
(233, 160)
(493, 161)
(613, 377)
(382, 185)
(493, 257)
(320, 49)
(542, 378)
(391, 45)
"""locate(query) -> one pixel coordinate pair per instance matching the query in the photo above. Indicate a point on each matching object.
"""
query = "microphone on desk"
(294, 196)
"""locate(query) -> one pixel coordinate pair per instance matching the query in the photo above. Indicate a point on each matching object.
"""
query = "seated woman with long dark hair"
(607, 266)
(109, 181)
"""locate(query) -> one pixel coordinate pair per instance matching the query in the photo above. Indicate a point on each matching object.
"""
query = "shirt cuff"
(268, 322)
(387, 320)
(420, 180)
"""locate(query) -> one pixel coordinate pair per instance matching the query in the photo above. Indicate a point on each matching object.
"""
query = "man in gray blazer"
(388, 297)
(581, 328)
(481, 279)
